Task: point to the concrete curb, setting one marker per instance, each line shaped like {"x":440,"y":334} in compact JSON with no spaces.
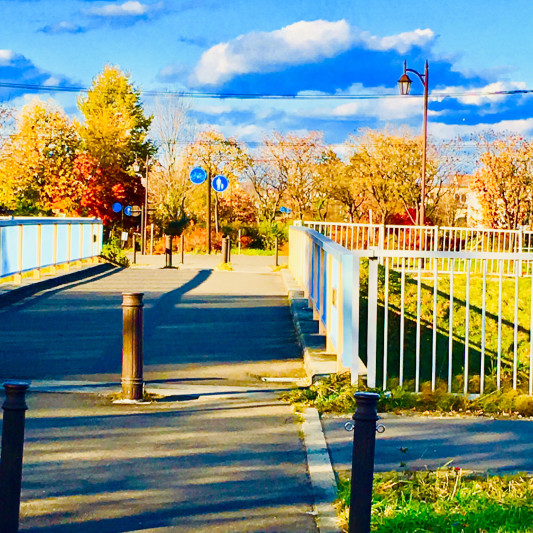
{"x":321,"y":472}
{"x":317,"y":364}
{"x":10,"y":294}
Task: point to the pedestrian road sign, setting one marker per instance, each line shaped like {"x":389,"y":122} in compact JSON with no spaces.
{"x":220,"y":183}
{"x":198,"y":175}
{"x":127,"y":210}
{"x":117,"y":207}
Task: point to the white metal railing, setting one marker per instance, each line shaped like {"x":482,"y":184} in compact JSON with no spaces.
{"x":431,"y":238}
{"x":415,"y":320}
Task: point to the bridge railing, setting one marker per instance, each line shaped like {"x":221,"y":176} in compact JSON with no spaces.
{"x":425,"y":323}
{"x":359,"y":236}
{"x":32,"y":243}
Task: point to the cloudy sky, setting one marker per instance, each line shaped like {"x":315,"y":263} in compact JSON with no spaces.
{"x":336,"y":62}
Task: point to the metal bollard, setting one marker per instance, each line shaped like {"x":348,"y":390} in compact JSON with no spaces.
{"x":228,"y":250}
{"x":134,"y":248}
{"x":224,"y":249}
{"x":182,"y":248}
{"x":168,"y":251}
{"x":132,"y":346}
{"x":364,"y":442}
{"x":276,"y":247}
{"x":11,"y":461}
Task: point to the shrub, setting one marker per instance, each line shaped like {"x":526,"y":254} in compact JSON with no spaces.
{"x":113,"y":253}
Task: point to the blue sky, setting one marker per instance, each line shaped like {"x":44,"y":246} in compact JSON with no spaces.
{"x":353,"y":50}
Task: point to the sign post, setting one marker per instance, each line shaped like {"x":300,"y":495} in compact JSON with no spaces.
{"x":219,"y":184}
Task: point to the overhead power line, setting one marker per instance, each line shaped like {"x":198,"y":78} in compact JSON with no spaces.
{"x":270,"y":96}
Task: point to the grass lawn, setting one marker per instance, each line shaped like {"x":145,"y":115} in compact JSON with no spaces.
{"x":459,"y":321}
{"x":446,"y":500}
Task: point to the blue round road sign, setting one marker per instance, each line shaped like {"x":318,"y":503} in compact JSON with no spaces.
{"x":127,"y":210}
{"x":117,"y":207}
{"x":220,"y":183}
{"x":198,"y":175}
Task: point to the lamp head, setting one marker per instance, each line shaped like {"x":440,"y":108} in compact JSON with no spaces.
{"x":405,"y":84}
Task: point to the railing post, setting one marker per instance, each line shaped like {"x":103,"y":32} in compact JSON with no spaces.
{"x":132,"y":346}
{"x":364,"y":442}
{"x":372,"y":321}
{"x":12,"y":449}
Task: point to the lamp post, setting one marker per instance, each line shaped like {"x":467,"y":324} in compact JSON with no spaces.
{"x":405,"y":86}
{"x":144,"y":181}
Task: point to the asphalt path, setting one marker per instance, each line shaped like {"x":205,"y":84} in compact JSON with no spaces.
{"x":198,"y":322}
{"x":479,"y":444}
{"x":222,"y":454}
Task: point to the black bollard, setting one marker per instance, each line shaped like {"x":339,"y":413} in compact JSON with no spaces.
{"x":11,"y":461}
{"x":364,"y":442}
{"x":132,"y":346}
{"x":276,"y":251}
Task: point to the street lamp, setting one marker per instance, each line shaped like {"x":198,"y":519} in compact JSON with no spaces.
{"x":144,"y":182}
{"x":405,"y":86}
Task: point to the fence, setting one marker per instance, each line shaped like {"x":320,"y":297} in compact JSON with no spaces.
{"x":422,"y":323}
{"x":431,"y":238}
{"x":32,"y":243}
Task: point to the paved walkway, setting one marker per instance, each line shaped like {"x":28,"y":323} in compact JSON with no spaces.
{"x":219,"y":452}
{"x":473,"y":443}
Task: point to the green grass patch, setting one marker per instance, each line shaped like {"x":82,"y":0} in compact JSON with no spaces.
{"x":446,"y":500}
{"x":251,"y":251}
{"x":463,"y":306}
{"x":336,"y":395}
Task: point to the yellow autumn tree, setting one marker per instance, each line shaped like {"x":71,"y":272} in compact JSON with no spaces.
{"x":216,"y":154}
{"x":293,"y":161}
{"x":36,"y":162}
{"x":390,"y":169}
{"x":504,"y":181}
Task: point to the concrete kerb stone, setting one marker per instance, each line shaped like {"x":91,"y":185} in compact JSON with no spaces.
{"x":317,"y":364}
{"x":321,"y":472}
{"x":10,"y":293}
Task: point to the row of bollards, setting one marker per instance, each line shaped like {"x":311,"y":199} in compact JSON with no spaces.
{"x":11,"y":456}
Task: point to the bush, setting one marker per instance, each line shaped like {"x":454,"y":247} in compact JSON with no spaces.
{"x":113,"y":253}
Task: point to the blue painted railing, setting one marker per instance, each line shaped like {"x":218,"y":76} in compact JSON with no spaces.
{"x":31,"y":243}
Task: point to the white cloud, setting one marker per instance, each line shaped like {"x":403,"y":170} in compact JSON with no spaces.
{"x":299,"y":43}
{"x":6,"y":56}
{"x":402,"y":42}
{"x":481,"y":95}
{"x":131,"y":8}
{"x":449,"y":131}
